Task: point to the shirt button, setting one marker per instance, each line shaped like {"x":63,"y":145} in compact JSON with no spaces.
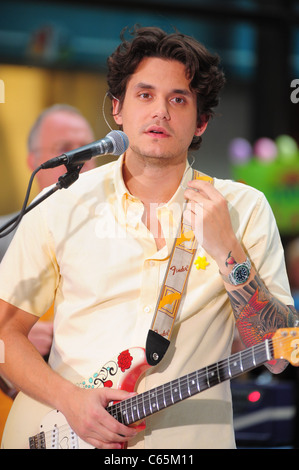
{"x":147,"y":309}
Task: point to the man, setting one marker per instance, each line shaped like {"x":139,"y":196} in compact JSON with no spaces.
{"x":56,"y":130}
{"x":101,"y":249}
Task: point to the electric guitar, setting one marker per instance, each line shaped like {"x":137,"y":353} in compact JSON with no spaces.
{"x":36,"y":426}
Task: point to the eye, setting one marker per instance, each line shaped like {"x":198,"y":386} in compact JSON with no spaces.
{"x":178,"y":100}
{"x":144,"y":95}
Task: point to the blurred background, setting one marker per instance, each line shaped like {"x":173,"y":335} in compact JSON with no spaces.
{"x":55,"y":52}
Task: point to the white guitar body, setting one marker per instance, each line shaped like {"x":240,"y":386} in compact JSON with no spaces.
{"x":31,"y":418}
{"x":48,"y":428}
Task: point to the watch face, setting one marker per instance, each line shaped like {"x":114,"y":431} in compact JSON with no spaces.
{"x":241,"y":274}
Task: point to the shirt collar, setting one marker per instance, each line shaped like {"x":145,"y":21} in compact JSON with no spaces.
{"x":130,"y":208}
{"x":123,"y":193}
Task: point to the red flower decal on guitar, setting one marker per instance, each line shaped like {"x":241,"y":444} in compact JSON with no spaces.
{"x":124,"y":360}
{"x":108,"y":383}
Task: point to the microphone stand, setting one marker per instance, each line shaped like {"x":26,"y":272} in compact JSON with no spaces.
{"x":64,"y":182}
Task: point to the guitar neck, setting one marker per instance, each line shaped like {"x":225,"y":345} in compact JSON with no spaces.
{"x":136,"y":408}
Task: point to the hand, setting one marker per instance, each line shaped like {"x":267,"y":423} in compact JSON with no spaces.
{"x":207,"y":212}
{"x":41,"y":336}
{"x":86,"y":414}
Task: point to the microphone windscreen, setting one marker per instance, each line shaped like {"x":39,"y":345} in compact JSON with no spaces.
{"x":120,"y":142}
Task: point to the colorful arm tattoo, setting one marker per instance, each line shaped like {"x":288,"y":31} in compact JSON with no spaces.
{"x":258,"y":314}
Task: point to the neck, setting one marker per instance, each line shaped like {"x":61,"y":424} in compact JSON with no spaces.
{"x":153,"y":181}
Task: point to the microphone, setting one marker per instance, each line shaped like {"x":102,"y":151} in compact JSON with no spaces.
{"x":115,"y":143}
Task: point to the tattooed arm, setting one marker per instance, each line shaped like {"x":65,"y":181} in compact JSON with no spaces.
{"x":257,"y":312}
{"x":258,"y":315}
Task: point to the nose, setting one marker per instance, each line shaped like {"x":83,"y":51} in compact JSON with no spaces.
{"x":160,"y":110}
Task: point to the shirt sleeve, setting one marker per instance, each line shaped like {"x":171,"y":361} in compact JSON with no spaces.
{"x":263,"y":244}
{"x":28,"y":272}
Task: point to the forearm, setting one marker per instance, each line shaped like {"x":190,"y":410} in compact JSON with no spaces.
{"x":258,"y":314}
{"x":25,"y":368}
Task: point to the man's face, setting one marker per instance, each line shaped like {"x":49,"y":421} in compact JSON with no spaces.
{"x":159,"y":112}
{"x":60,"y":132}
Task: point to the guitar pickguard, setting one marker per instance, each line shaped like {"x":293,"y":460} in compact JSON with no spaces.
{"x":121,"y":372}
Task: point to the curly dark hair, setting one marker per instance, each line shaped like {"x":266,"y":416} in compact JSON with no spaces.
{"x":202,"y":67}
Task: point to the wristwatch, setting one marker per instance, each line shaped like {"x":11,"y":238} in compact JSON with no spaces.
{"x":239,"y":274}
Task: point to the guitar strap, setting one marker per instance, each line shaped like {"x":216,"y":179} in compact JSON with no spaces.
{"x":175,"y":280}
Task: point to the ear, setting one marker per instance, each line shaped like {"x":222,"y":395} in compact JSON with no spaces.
{"x":116,"y":110}
{"x":31,"y":161}
{"x":201,"y":127}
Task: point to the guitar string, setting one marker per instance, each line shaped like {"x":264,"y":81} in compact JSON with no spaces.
{"x":208,"y":373}
{"x":183,"y":381}
{"x":140,"y":398}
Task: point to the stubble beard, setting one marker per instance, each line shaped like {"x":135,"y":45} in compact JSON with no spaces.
{"x":158,"y":158}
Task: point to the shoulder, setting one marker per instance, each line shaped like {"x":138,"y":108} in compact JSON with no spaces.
{"x":249,"y":208}
{"x":242,"y":196}
{"x":94,"y":178}
{"x":234,"y":189}
{"x":90,"y":184}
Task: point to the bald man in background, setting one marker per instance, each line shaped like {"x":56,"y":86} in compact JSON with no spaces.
{"x":57,"y":130}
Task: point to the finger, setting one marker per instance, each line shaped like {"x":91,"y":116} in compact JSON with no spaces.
{"x":140,"y":426}
{"x":110,"y":422}
{"x":195,"y":196}
{"x":102,"y":428}
{"x":120,"y":433}
{"x":113,"y":394}
{"x":98,"y":444}
{"x":188,"y":217}
{"x":196,"y":222}
{"x":192,"y":210}
{"x":205,"y":188}
{"x":108,"y":432}
{"x":193,"y":206}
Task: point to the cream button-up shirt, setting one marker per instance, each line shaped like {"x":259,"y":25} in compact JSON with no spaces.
{"x":86,"y":249}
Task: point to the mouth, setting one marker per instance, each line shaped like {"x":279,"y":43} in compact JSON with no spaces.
{"x":157,"y":132}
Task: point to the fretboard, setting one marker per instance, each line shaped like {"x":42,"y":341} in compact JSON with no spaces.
{"x":147,"y":403}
